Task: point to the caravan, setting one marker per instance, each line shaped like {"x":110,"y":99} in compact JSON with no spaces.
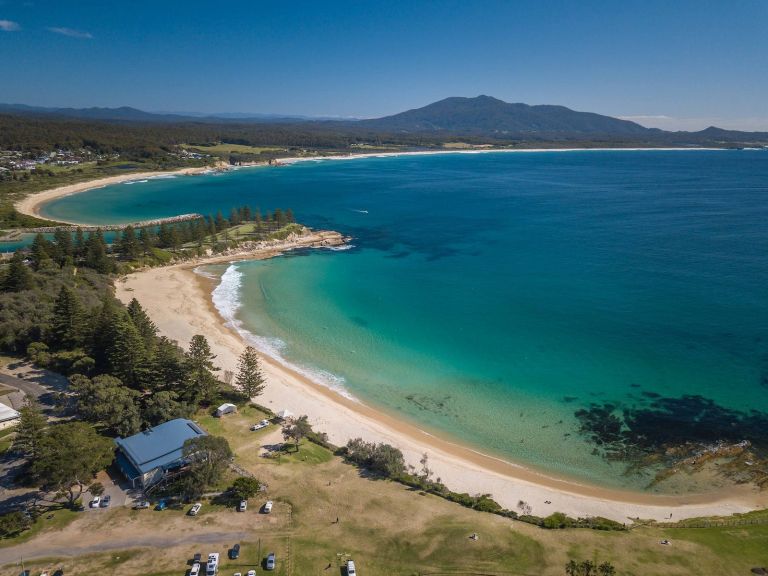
{"x":212,"y":568}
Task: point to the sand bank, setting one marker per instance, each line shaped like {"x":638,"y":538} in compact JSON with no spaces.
{"x":179,"y":302}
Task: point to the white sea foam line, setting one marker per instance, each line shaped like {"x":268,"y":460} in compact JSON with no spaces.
{"x":226,"y":299}
{"x":501,"y":151}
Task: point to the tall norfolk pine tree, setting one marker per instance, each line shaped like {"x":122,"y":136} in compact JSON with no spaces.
{"x":249,"y":377}
{"x":68,"y":326}
{"x":202,"y":384}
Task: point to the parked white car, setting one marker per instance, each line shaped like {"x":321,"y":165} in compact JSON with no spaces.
{"x":95,"y":502}
{"x":143,"y":505}
{"x":268,"y":507}
{"x":260,"y":425}
{"x":195,"y":569}
{"x":243,"y":506}
{"x":351,"y":568}
{"x":195,"y":509}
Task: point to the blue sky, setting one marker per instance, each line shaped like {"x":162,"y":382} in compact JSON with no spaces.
{"x":674,"y":64}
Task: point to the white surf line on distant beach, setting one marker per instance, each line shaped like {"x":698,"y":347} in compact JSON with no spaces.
{"x":295,"y":160}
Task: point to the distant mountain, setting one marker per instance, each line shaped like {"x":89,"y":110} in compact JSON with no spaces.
{"x":128,"y":114}
{"x":487,"y":115}
{"x":481,"y":118}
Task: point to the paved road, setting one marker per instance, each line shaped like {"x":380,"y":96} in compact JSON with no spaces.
{"x":38,"y":549}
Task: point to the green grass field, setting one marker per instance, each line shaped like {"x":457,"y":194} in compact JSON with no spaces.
{"x":327,"y":511}
{"x":223,"y":149}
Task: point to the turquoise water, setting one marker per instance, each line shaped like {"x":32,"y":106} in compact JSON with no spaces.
{"x":492,"y":296}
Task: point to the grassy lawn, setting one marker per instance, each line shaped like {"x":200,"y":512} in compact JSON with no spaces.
{"x":61,"y":518}
{"x":6,"y":439}
{"x":225,"y":149}
{"x":327,"y":512}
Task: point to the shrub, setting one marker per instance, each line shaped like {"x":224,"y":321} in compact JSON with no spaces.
{"x":13,"y":523}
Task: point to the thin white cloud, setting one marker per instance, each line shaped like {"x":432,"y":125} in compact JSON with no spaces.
{"x":70,"y":32}
{"x":9,"y":26}
{"x":748,"y":124}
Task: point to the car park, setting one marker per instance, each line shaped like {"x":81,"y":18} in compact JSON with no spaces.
{"x":243,"y":506}
{"x":234,"y":552}
{"x":268,"y":507}
{"x":270,"y":561}
{"x":195,"y":509}
{"x":106,"y":501}
{"x":96,"y":502}
{"x":260,"y":425}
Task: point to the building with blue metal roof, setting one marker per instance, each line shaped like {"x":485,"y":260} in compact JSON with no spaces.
{"x":148,"y":457}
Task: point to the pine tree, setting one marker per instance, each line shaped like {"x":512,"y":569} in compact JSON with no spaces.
{"x":41,"y":251}
{"x":104,"y":330}
{"x":289,"y":216}
{"x":279,"y":218}
{"x":96,"y":253}
{"x":164,"y":236}
{"x":18,"y":277}
{"x":202,"y":383}
{"x":63,"y":240}
{"x":145,"y":326}
{"x":249,"y":379}
{"x":129,"y":246}
{"x":79,"y":248}
{"x":126,"y":355}
{"x":30,"y":430}
{"x":68,"y":326}
{"x":169,"y":367}
{"x":145,"y":239}
{"x":246,"y":213}
{"x":220,"y":222}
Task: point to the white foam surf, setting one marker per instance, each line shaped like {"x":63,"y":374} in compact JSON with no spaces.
{"x":226,"y":299}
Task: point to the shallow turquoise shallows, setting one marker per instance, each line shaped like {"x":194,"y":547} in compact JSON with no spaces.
{"x":490,"y":296}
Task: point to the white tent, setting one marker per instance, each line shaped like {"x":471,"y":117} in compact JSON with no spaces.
{"x":283,"y":414}
{"x":226,"y":409}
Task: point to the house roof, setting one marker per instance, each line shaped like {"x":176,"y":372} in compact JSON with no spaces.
{"x":159,"y":446}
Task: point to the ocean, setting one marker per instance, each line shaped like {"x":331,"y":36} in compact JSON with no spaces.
{"x":492,"y":297}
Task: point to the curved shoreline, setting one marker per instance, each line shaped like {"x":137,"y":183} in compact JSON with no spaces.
{"x":179,"y":302}
{"x":32,"y":204}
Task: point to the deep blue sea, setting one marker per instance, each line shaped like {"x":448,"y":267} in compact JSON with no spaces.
{"x":491,"y":296}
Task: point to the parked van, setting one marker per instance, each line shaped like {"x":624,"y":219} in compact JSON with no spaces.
{"x":212,"y":568}
{"x":351,"y":568}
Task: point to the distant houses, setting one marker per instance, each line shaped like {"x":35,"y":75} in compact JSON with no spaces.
{"x":148,"y":457}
